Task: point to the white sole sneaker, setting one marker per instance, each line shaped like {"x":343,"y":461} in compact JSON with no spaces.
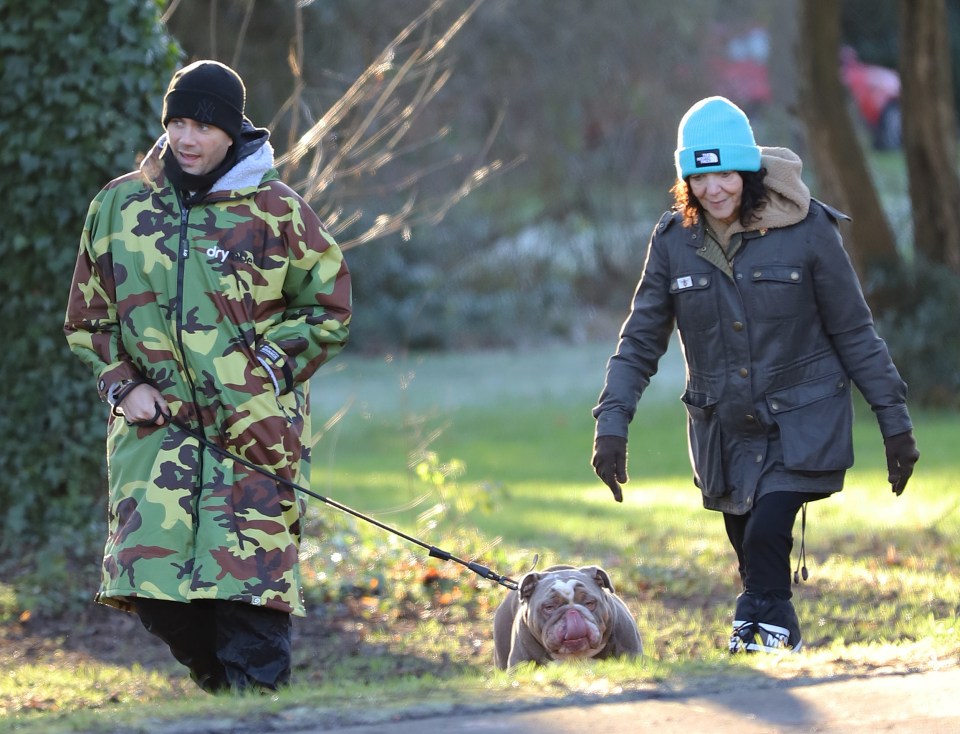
{"x":761,"y":637}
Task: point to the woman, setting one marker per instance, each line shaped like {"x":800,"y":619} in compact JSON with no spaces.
{"x":775,"y":329}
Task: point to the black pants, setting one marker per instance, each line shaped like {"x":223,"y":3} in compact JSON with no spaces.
{"x":763,"y":540}
{"x":226,"y":645}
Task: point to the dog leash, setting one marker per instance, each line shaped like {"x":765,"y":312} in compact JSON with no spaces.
{"x":432,"y":550}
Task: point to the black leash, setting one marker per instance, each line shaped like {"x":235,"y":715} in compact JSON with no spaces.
{"x":433,"y":551}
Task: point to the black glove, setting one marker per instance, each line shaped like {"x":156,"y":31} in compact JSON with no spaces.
{"x":610,"y":462}
{"x":902,"y":454}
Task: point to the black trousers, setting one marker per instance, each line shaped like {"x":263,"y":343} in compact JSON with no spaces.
{"x":226,"y":645}
{"x":763,"y":540}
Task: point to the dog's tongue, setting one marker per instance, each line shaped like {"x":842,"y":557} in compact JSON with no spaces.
{"x":575,"y":627}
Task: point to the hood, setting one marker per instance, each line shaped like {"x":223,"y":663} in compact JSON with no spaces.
{"x":254,"y":160}
{"x":788,"y":198}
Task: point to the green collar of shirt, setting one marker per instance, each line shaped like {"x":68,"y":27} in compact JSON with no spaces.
{"x":714,"y":253}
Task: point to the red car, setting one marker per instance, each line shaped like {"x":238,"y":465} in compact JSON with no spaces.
{"x":876,"y":92}
{"x":741,"y":74}
{"x":741,"y":69}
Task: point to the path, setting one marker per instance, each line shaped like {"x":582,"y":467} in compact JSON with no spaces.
{"x":907,"y":704}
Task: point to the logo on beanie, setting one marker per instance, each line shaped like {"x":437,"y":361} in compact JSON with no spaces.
{"x":706,"y":158}
{"x":205,"y":109}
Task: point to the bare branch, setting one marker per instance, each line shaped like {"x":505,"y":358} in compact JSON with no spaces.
{"x":452,"y":31}
{"x":168,"y":13}
{"x":332,"y":421}
{"x":380,"y":65}
{"x":214,"y":10}
{"x":243,"y":33}
{"x":360,"y":150}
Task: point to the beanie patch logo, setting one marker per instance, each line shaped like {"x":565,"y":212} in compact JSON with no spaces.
{"x":205,"y":109}
{"x":706,"y":158}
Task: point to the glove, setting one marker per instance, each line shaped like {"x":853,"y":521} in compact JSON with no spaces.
{"x":902,"y":454}
{"x":610,"y":462}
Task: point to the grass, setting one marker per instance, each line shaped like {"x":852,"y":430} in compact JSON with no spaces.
{"x":503,"y":439}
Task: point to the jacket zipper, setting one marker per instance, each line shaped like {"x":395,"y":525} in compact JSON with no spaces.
{"x":184,"y":254}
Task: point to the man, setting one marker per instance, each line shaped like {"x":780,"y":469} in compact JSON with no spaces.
{"x":205,"y":296}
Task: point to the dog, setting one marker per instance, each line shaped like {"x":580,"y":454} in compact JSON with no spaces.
{"x":563,"y":613}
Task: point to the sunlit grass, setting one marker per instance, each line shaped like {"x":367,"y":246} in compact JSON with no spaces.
{"x":883,"y":592}
{"x":61,"y":687}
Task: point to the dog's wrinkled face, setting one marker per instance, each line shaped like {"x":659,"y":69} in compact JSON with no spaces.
{"x":568,"y":610}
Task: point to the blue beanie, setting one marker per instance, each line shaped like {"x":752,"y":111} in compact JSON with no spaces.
{"x":715,"y":135}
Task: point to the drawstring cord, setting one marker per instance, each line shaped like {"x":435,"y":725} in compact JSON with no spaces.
{"x":801,"y":571}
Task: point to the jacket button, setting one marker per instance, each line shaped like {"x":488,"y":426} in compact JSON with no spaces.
{"x":737,"y":326}
{"x":744,"y":372}
{"x":759,"y":458}
{"x":749,"y":418}
{"x":774,"y":405}
{"x":703,"y":281}
{"x":757,"y":273}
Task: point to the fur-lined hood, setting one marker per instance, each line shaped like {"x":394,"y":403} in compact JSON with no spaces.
{"x":255,"y":160}
{"x":788,"y":198}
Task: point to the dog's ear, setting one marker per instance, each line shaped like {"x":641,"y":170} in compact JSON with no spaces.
{"x":600,"y":576}
{"x":527,"y":584}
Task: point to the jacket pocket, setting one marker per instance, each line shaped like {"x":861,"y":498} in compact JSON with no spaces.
{"x":705,"y":442}
{"x":695,"y":302}
{"x":776,"y":291}
{"x":816,"y":423}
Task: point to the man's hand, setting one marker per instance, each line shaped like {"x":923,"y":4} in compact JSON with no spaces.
{"x":902,"y":454}
{"x":610,"y":462}
{"x":141,"y":406}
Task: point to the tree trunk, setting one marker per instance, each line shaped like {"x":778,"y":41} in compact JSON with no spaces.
{"x":782,"y":114}
{"x":838,"y":160}
{"x":929,"y":130}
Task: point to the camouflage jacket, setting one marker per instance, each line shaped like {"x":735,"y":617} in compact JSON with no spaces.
{"x":227,"y":307}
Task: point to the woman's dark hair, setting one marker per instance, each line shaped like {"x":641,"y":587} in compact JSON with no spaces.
{"x":752,"y":201}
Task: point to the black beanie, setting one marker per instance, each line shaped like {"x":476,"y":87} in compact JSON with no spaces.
{"x":209,"y":92}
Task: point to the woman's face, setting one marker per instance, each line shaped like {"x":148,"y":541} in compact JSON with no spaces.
{"x":719,"y":194}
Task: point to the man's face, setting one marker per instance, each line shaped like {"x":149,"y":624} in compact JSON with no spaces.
{"x":198,"y":147}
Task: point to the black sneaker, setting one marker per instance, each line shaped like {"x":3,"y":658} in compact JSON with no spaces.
{"x":765,"y":625}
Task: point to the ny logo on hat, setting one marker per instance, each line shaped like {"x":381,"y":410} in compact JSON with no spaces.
{"x":705,"y":158}
{"x":204,"y":111}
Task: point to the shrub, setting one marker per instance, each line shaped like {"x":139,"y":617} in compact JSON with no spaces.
{"x":914,"y":306}
{"x":82,"y":88}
